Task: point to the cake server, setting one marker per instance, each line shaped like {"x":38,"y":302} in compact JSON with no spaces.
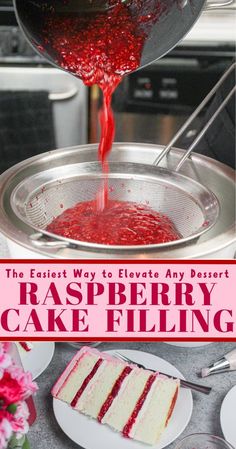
{"x":183,"y":383}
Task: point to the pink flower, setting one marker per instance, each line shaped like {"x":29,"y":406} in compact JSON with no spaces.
{"x":5,"y":360}
{"x":28,"y":387}
{"x":15,"y":387}
{"x":10,"y":389}
{"x":6,"y":430}
{"x":20,"y":423}
{"x":13,"y":423}
{"x":6,"y":346}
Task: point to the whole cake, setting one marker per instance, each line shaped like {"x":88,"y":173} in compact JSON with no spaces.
{"x":134,"y":401}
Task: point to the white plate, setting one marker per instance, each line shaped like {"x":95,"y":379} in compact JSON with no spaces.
{"x":227,"y":416}
{"x":89,"y":434}
{"x":38,"y":359}
{"x":188,"y":344}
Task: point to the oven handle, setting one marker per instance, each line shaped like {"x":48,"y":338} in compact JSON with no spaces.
{"x":63,"y":96}
{"x":210,"y":5}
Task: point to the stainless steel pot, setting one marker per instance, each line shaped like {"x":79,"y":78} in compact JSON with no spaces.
{"x":174,"y":24}
{"x":217,"y":243}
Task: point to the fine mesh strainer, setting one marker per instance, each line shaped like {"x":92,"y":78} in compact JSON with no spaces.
{"x":41,"y":197}
{"x":45,"y":192}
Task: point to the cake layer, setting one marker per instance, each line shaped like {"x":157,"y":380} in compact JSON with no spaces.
{"x":125,"y":403}
{"x":134,"y":401}
{"x":98,"y":391}
{"x":154,"y":416}
{"x":74,"y":376}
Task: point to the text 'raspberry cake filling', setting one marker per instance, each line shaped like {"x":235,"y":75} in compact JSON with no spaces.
{"x":133,"y":401}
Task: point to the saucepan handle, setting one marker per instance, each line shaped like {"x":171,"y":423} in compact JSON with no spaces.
{"x":216,"y":5}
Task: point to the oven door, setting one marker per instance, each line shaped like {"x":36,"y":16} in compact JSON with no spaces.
{"x":153,"y":103}
{"x":68,"y":94}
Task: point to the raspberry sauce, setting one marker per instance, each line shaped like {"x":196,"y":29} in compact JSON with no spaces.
{"x":172,"y":406}
{"x":120,"y":223}
{"x":100,"y":46}
{"x":25,"y":346}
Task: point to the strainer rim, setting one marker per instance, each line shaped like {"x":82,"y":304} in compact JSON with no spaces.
{"x":134,"y":248}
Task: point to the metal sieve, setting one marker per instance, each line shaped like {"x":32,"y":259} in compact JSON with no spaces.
{"x":217,"y":242}
{"x":43,"y":196}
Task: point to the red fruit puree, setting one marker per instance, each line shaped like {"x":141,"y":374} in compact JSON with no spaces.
{"x":100,"y":48}
{"x":120,"y":223}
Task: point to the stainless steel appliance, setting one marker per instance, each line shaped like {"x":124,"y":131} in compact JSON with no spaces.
{"x":151,"y":104}
{"x":22,"y":69}
{"x":69,"y":97}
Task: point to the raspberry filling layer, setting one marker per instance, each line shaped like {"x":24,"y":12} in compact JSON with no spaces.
{"x":127,"y":429}
{"x":172,"y":406}
{"x":120,"y":223}
{"x":114,"y":392}
{"x":85,"y":383}
{"x":25,"y":346}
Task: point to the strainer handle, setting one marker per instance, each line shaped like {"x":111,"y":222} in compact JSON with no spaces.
{"x":192,"y":117}
{"x":205,"y":129}
{"x":40,"y":240}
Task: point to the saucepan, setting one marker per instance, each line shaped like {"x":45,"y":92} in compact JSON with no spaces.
{"x":175,"y":21}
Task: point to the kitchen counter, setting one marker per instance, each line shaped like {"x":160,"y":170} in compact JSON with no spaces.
{"x":46,"y":433}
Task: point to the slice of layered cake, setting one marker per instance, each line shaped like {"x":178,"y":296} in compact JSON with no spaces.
{"x":136,"y":402}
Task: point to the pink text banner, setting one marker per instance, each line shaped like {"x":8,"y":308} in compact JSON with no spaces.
{"x":87,"y":300}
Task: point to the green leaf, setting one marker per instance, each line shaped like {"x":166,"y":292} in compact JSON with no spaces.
{"x":26,"y":444}
{"x":23,"y":443}
{"x":12,"y":408}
